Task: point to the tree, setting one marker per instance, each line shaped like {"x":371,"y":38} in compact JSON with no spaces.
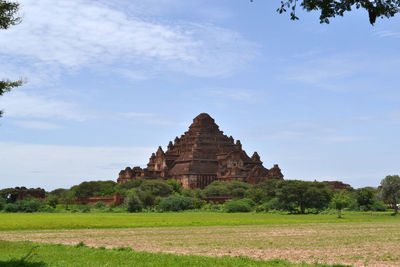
{"x":390,"y":190}
{"x":264,"y":191}
{"x":294,"y":194}
{"x":8,"y":17}
{"x":340,"y":201}
{"x":156,"y":187}
{"x":133,"y":203}
{"x":68,"y":198}
{"x":95,"y":188}
{"x":331,"y":8}
{"x":365,"y":198}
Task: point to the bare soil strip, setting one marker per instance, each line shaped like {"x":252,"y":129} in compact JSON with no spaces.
{"x":360,"y":244}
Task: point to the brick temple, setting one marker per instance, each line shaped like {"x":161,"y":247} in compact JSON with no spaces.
{"x":202,"y":155}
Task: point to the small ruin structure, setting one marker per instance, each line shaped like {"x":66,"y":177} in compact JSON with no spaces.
{"x":201,"y":155}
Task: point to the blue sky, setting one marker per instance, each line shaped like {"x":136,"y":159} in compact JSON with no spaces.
{"x":109,"y":81}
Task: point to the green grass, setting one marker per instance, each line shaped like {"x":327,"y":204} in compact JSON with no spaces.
{"x":16,"y":254}
{"x":26,"y":221}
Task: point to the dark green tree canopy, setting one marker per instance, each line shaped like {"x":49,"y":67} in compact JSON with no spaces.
{"x":8,"y":14}
{"x":8,"y":17}
{"x":390,"y":190}
{"x":331,"y":8}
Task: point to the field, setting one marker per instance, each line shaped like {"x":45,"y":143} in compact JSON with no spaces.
{"x":358,"y":239}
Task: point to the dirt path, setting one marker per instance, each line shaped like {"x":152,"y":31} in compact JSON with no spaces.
{"x":360,"y":244}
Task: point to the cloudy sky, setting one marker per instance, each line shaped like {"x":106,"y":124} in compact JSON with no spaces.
{"x":109,"y":81}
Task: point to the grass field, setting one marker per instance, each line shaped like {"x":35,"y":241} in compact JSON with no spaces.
{"x":61,"y":255}
{"x":20,"y":221}
{"x":359,"y":239}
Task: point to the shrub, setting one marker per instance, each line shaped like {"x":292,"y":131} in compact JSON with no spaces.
{"x":262,"y":208}
{"x":264,"y":191}
{"x":80,"y":245}
{"x":198,"y":203}
{"x":188,"y":192}
{"x":100,"y":205}
{"x":175,"y":203}
{"x":2,"y":203}
{"x":52,"y":201}
{"x":133,"y":203}
{"x":156,"y":187}
{"x":147,"y":198}
{"x":196,"y":193}
{"x":30,"y":205}
{"x":85,"y":208}
{"x":176,"y":186}
{"x":216,"y":189}
{"x":238,"y":205}
{"x":238,"y":192}
{"x":378,"y":205}
{"x":274,"y":204}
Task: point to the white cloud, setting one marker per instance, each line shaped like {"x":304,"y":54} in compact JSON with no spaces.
{"x":231,"y":93}
{"x":73,"y":34}
{"x":18,"y":104}
{"x":63,"y":166}
{"x":40,"y":125}
{"x":387,"y":34}
{"x":342,"y":71}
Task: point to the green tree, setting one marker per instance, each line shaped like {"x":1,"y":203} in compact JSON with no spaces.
{"x":175,"y":203}
{"x":304,"y":195}
{"x":94,"y":188}
{"x":176,"y":186}
{"x":68,"y":198}
{"x":331,"y":8}
{"x":390,"y":190}
{"x":156,"y":187}
{"x":8,"y":17}
{"x":365,"y":198}
{"x":133,"y":204}
{"x":263,"y":192}
{"x":339,"y":201}
{"x":52,"y":201}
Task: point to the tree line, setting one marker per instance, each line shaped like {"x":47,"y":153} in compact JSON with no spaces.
{"x":293,"y":196}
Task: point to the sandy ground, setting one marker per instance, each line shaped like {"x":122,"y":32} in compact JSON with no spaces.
{"x":359,"y":244}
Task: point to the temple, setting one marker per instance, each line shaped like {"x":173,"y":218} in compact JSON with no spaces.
{"x":202,"y":155}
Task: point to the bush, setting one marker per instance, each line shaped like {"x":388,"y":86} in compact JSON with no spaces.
{"x":198,"y":203}
{"x":264,"y":191}
{"x":175,"y":203}
{"x":238,"y":192}
{"x":156,"y":187}
{"x":31,"y":205}
{"x":238,"y":205}
{"x":147,"y":198}
{"x":2,"y":203}
{"x":100,"y":205}
{"x":85,"y":208}
{"x":378,"y":205}
{"x":196,"y":193}
{"x":52,"y":201}
{"x":274,"y":204}
{"x":133,"y":203}
{"x":216,"y":189}
{"x":176,"y":186}
{"x":188,"y":192}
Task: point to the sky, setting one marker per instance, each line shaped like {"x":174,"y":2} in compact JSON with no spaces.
{"x":107,"y":82}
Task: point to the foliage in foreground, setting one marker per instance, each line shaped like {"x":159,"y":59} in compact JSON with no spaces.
{"x":331,"y":8}
{"x":62,"y":255}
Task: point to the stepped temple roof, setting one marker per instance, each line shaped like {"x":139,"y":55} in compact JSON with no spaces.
{"x":201,"y":155}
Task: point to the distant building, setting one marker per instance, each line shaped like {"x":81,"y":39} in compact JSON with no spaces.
{"x":339,"y":185}
{"x":202,"y":155}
